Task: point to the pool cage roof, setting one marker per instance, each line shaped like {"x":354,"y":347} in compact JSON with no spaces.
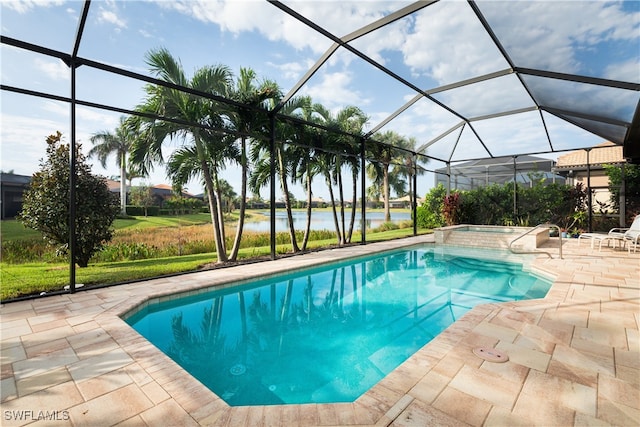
{"x":469,"y":80}
{"x":499,"y":170}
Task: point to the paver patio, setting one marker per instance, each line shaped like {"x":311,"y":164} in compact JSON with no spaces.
{"x":574,"y":357}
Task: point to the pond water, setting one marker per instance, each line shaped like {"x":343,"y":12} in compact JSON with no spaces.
{"x":320,"y":220}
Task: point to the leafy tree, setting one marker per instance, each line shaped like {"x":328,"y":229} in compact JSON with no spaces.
{"x":142,"y":197}
{"x":632,"y":188}
{"x":46,"y":203}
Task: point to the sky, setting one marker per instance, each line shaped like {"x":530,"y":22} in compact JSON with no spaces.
{"x":440,"y":44}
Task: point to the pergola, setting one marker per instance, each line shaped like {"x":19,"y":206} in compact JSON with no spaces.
{"x":484,"y":116}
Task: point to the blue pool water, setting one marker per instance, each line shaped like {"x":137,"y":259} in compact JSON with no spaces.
{"x":328,"y":333}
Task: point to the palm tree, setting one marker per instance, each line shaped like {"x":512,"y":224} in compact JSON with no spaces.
{"x":342,"y":152}
{"x":386,"y":153}
{"x":287,"y":154}
{"x":246,"y":121}
{"x":191,"y":116}
{"x":119,"y":143}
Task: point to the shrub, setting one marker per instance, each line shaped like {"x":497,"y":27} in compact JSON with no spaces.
{"x":46,"y":204}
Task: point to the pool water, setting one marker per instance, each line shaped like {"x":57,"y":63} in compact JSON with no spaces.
{"x":325,"y":334}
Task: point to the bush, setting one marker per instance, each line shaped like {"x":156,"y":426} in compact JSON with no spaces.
{"x":140,"y":210}
{"x":46,"y":204}
{"x":429,"y":214}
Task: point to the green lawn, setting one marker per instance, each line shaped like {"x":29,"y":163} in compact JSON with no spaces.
{"x":29,"y":278}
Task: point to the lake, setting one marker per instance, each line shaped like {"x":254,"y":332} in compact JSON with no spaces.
{"x":320,"y":220}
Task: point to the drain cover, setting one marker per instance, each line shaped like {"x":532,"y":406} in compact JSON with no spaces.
{"x":490,"y":354}
{"x":238,"y":369}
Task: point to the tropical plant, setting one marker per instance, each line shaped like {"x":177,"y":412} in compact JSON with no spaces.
{"x":46,"y":205}
{"x":249,"y":121}
{"x":119,"y":143}
{"x":339,"y":152}
{"x":190,"y":117}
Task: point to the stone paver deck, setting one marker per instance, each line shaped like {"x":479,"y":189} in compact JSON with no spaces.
{"x":574,"y":358}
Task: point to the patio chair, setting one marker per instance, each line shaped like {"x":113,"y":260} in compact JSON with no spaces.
{"x":619,"y":236}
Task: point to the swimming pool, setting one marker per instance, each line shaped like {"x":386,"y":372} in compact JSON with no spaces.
{"x":328,"y":333}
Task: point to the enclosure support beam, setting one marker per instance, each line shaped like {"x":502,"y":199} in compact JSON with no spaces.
{"x":589,"y":201}
{"x":363,"y":189}
{"x":272,"y":188}
{"x":414,"y":204}
{"x":623,"y":197}
{"x":515,"y":188}
{"x":73,"y":65}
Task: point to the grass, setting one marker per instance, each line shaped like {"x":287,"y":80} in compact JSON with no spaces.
{"x":35,"y":277}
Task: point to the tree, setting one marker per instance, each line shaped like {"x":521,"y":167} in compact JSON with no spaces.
{"x":142,"y":197}
{"x":248,"y":122}
{"x":46,"y":203}
{"x":338,"y":153}
{"x":119,"y":143}
{"x":193,"y":119}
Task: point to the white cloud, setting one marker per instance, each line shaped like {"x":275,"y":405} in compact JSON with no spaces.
{"x":54,"y":69}
{"x":24,"y":6}
{"x":552,"y":35}
{"x":448,"y":44}
{"x":628,"y":71}
{"x":111,"y":17}
{"x":334,"y":91}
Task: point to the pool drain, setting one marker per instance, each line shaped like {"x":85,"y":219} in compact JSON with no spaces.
{"x":490,"y":354}
{"x":238,"y":369}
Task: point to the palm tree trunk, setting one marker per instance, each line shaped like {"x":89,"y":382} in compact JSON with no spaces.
{"x":333,"y":208}
{"x":354,"y":188}
{"x":214,"y":202}
{"x":213,"y":209}
{"x":307,"y":229}
{"x":385,"y":189}
{"x":341,"y":195}
{"x":243,"y":201}
{"x":287,"y":201}
{"x":123,"y":184}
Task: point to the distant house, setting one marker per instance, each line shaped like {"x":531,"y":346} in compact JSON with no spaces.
{"x":575,"y":166}
{"x":12,"y":187}
{"x":403,"y":202}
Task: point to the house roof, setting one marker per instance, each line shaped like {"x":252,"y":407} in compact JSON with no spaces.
{"x":604,"y":153}
{"x":13,"y":179}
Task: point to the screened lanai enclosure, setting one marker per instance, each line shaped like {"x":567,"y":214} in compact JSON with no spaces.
{"x":288,"y":101}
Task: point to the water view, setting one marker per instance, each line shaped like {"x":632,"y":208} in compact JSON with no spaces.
{"x":320,"y":220}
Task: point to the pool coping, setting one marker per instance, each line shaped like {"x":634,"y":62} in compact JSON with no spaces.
{"x":440,"y":384}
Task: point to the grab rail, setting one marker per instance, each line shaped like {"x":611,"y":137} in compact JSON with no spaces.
{"x":537,"y":252}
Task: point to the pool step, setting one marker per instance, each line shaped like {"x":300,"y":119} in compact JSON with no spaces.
{"x":486,"y":265}
{"x":480,"y":239}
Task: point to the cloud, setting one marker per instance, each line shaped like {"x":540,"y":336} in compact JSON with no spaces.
{"x":24,"y":6}
{"x":110,"y":17}
{"x":55,"y":69}
{"x":628,"y":71}
{"x":334,"y":91}
{"x":555,"y":35}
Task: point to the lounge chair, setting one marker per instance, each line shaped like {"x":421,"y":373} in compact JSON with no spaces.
{"x":619,"y":236}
